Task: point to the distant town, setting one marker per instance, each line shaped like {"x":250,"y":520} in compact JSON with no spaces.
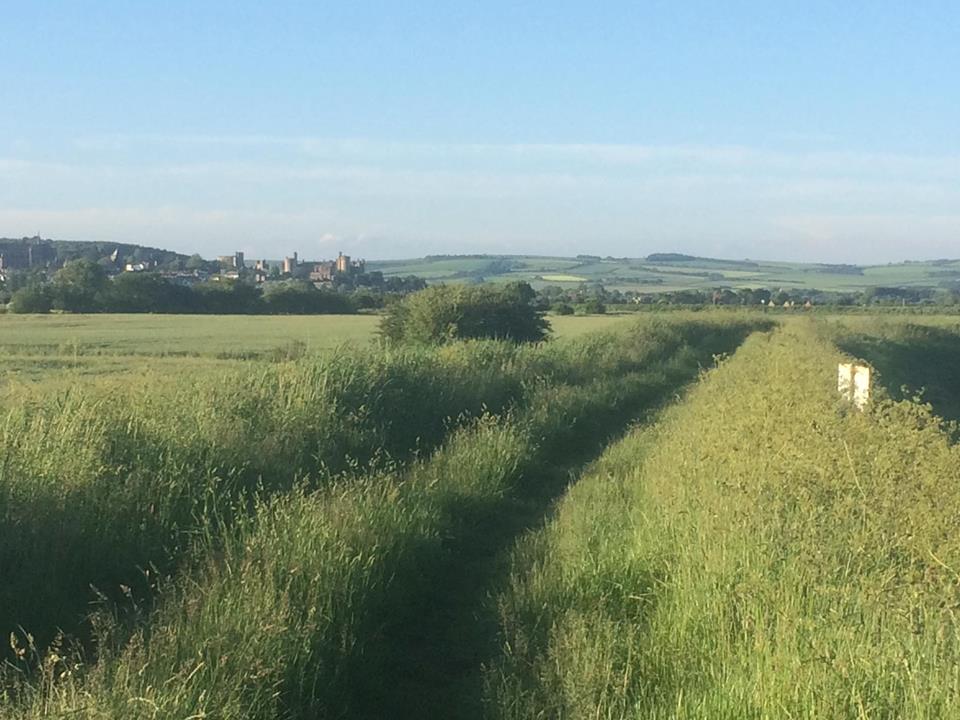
{"x":43,"y":275}
{"x":38,"y":254}
{"x":38,"y":275}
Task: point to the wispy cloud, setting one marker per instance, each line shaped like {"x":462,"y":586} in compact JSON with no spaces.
{"x":212,"y":192}
{"x":739,"y":156}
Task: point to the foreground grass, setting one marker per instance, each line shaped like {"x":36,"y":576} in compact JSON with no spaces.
{"x":165,"y":479}
{"x":95,"y":492}
{"x":763,"y":552}
{"x":916,"y":357}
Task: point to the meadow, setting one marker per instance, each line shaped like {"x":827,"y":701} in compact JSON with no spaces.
{"x":662,"y":516}
{"x":63,"y":349}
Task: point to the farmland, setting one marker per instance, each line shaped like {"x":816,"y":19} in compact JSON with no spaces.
{"x":69,"y":348}
{"x":664,"y":516}
{"x":673,"y":272}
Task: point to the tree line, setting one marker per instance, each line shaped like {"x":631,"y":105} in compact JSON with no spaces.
{"x":593,"y":297}
{"x":84,"y":286}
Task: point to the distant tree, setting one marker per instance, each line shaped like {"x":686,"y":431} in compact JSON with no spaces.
{"x":32,"y":299}
{"x":563,"y":309}
{"x":77,"y":287}
{"x":780,"y":297}
{"x":404,"y":285}
{"x":145,"y":293}
{"x":295,"y":297}
{"x":445,"y":313}
{"x":174,"y":264}
{"x":228,"y":297}
{"x":593,"y":306}
{"x":749,"y":296}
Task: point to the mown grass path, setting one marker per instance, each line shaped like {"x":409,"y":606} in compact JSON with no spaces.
{"x":432,"y":651}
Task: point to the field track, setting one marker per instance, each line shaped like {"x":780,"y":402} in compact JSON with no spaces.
{"x":486,"y":531}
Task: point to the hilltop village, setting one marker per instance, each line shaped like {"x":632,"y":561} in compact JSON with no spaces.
{"x":46,"y":256}
{"x":38,"y":275}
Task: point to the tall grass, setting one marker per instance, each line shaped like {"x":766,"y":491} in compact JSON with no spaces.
{"x":913,"y":358}
{"x":763,"y":552}
{"x":97,"y":487}
{"x":281,"y":611}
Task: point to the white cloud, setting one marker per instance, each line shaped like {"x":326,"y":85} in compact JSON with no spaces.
{"x":269,"y":195}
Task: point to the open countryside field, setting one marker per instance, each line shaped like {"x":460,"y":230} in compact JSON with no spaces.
{"x":68,"y":348}
{"x":669,"y":516}
{"x":646,"y":275}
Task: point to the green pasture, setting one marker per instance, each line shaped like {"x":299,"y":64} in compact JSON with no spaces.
{"x":67,"y":349}
{"x":195,"y":335}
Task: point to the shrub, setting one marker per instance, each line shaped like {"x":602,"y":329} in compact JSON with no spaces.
{"x":593,"y":306}
{"x":31,"y":299}
{"x":446,"y":313}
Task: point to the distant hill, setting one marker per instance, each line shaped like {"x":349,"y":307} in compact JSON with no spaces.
{"x":671,"y":257}
{"x":667,"y":272}
{"x":37,"y":252}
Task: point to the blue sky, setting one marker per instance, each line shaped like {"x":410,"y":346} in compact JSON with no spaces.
{"x":816,"y":131}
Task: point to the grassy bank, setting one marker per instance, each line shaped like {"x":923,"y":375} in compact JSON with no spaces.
{"x":763,"y":552}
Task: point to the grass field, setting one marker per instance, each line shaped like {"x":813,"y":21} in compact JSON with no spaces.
{"x":82,"y":348}
{"x":196,"y":335}
{"x":655,"y":516}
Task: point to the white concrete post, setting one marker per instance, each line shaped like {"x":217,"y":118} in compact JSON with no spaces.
{"x":853,"y":383}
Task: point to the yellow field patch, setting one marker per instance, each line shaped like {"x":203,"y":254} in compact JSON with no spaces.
{"x":563,"y":278}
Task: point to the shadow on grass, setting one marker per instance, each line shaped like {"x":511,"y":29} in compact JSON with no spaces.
{"x":430,"y":647}
{"x":914,"y":358}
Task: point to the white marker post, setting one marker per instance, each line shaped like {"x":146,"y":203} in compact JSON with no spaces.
{"x":853,"y":383}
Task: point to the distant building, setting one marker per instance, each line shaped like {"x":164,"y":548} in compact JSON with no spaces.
{"x":261,"y":270}
{"x":345,"y":266}
{"x":290,"y":264}
{"x":323,"y":272}
{"x":235,"y":261}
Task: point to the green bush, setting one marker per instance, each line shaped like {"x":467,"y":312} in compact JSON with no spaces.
{"x":445,"y":313}
{"x":32,"y":299}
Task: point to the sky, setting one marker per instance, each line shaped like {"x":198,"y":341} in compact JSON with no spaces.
{"x":809,"y":131}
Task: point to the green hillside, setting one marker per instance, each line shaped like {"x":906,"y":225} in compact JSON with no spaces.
{"x":664,"y":272}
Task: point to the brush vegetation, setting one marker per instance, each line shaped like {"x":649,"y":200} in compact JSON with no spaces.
{"x":244,"y":543}
{"x":762,"y":551}
{"x":677,"y":518}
